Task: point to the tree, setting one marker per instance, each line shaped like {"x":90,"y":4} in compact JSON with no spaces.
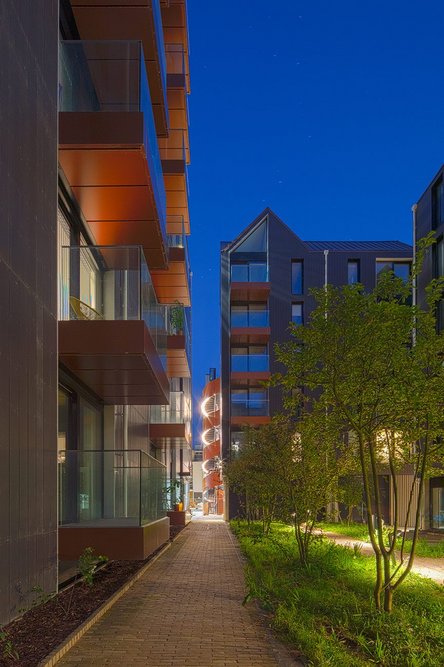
{"x":373,"y":362}
{"x":277,"y":471}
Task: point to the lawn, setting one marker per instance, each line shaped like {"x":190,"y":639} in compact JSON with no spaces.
{"x":359,"y":531}
{"x":327,"y":611}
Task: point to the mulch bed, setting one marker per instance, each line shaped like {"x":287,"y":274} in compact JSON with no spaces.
{"x":43,"y":627}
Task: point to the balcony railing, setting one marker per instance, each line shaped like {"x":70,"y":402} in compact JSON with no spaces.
{"x":175,"y":65}
{"x":107,"y":488}
{"x":110,"y":283}
{"x":110,"y":76}
{"x":178,"y":319}
{"x":249,"y":407}
{"x":180,"y":240}
{"x":248,"y":363}
{"x":249,"y":318}
{"x":178,"y":412}
{"x":253,"y":272}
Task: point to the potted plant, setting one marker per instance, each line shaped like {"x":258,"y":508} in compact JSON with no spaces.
{"x":177,"y":318}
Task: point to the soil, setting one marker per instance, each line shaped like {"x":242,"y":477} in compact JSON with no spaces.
{"x":43,"y":627}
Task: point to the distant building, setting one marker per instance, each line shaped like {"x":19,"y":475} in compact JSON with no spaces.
{"x":429,"y":217}
{"x":266,"y":276}
{"x":213,"y":489}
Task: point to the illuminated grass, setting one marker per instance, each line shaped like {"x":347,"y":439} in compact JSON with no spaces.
{"x":327,"y":611}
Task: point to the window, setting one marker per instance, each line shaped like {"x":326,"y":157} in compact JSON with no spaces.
{"x":249,"y":315}
{"x":254,"y":272}
{"x":439,"y":272}
{"x":297,"y":313}
{"x":353,"y":271}
{"x":249,"y":358}
{"x":438,"y":204}
{"x":297,"y":277}
{"x":439,"y":258}
{"x":400,"y":269}
{"x":249,"y":402}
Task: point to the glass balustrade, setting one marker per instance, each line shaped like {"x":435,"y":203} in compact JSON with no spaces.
{"x":249,"y":318}
{"x":252,"y":407}
{"x":178,"y":318}
{"x":110,"y":76}
{"x":110,"y":283}
{"x":253,"y":272}
{"x":249,"y":363}
{"x":110,"y":488}
{"x":180,"y":240}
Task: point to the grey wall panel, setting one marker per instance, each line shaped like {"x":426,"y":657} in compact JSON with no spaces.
{"x":28,"y":295}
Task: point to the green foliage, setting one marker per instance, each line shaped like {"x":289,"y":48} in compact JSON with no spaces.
{"x":177,"y":318}
{"x":88,"y":563}
{"x":327,"y":609}
{"x":372,"y":364}
{"x":359,"y":531}
{"x":7,"y":647}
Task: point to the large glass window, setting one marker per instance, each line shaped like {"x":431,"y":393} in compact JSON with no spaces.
{"x":400,"y":269}
{"x":353,"y":271}
{"x":249,"y":358}
{"x":249,"y":272}
{"x":252,"y":401}
{"x":249,"y":315}
{"x":297,"y":277}
{"x":438,"y":204}
{"x":437,"y":502}
{"x":297,"y":313}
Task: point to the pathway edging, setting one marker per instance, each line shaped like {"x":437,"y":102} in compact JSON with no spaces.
{"x":72,"y":639}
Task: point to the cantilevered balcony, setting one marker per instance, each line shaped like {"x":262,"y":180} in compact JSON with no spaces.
{"x":171,"y":424}
{"x":131,"y":20}
{"x":249,"y":411}
{"x":113,"y":501}
{"x":108,"y":145}
{"x":249,"y":282}
{"x":249,"y":324}
{"x":174,"y":283}
{"x":179,"y":341}
{"x":112,"y":330}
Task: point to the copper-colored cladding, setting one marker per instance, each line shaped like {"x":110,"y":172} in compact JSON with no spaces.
{"x":211,"y":451}
{"x":177,"y":198}
{"x":177,"y":358}
{"x":103,"y":157}
{"x":174,"y":435}
{"x":127,"y":20}
{"x":212,"y":479}
{"x":245,"y":335}
{"x":250,"y":421}
{"x":244,"y":291}
{"x":174,"y":21}
{"x":118,"y":543}
{"x":249,"y":378}
{"x":116,"y":359}
{"x":172,"y":284}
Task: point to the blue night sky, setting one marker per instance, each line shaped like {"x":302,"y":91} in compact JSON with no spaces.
{"x":330,"y":112}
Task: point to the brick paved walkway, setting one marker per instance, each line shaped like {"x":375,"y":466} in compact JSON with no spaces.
{"x":185,"y":611}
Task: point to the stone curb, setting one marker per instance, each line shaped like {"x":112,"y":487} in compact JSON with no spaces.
{"x":72,"y":639}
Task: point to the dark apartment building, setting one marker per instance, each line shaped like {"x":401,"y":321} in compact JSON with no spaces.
{"x":95,"y":282}
{"x":429,"y":217}
{"x":266,"y":275}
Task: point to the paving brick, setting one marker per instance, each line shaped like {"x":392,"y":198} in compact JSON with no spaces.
{"x":186,"y":611}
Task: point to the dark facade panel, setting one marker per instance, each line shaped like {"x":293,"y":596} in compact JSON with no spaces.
{"x":28,"y":301}
{"x":285,"y":247}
